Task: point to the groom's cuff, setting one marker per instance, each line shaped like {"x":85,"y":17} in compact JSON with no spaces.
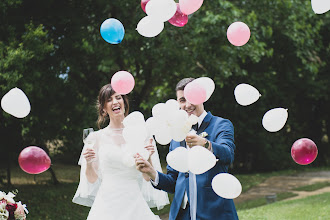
{"x":155,"y":183}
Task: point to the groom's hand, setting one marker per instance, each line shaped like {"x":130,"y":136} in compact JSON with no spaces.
{"x":195,"y":140}
{"x":144,"y":166}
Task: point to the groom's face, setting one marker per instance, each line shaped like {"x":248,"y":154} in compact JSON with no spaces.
{"x":187,"y":106}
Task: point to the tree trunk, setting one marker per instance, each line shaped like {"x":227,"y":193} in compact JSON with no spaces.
{"x":55,"y":180}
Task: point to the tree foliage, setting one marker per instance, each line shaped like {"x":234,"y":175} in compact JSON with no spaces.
{"x":53,"y":51}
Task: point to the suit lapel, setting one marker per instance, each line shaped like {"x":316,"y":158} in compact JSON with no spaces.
{"x":205,"y":123}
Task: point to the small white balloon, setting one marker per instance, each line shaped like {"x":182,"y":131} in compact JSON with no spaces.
{"x":159,"y":110}
{"x":135,"y":134}
{"x":200,"y":160}
{"x":208,"y":84}
{"x":16,"y":103}
{"x":193,"y":119}
{"x":161,"y":10}
{"x":246,"y":94}
{"x":172,"y":105}
{"x":179,"y":133}
{"x":320,"y":6}
{"x":163,"y":135}
{"x":178,"y":118}
{"x":275,"y":119}
{"x":178,"y":159}
{"x":226,"y":185}
{"x":151,"y":125}
{"x":134,"y":118}
{"x":149,"y":27}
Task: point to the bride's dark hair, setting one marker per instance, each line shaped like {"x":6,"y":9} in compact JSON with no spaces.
{"x":105,"y":93}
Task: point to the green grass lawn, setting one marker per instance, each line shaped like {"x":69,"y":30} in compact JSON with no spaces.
{"x":310,"y":208}
{"x":46,"y":201}
{"x":313,"y":187}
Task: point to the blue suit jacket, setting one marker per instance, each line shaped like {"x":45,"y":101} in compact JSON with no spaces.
{"x":210,"y":206}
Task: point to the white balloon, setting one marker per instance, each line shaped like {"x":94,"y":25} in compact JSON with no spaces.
{"x":178,"y":159}
{"x":226,"y":185}
{"x":163,"y":135}
{"x":200,"y":160}
{"x":159,"y":110}
{"x":16,"y":103}
{"x":178,"y":118}
{"x":246,"y":94}
{"x":135,"y":134}
{"x":275,"y":119}
{"x":151,"y":125}
{"x":172,"y":105}
{"x":179,"y":133}
{"x":208,"y":84}
{"x":149,"y":27}
{"x":161,"y":10}
{"x":134,"y":118}
{"x":320,"y":6}
{"x":193,"y":119}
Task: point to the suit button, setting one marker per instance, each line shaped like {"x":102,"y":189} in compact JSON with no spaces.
{"x":186,"y":175}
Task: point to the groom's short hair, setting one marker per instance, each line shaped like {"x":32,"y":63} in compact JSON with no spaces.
{"x":182,"y":83}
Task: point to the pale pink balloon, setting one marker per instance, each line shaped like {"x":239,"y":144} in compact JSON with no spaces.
{"x":33,"y":160}
{"x":179,"y":19}
{"x":122,"y":82}
{"x":143,"y":5}
{"x":190,"y":6}
{"x":194,"y":93}
{"x":238,"y":33}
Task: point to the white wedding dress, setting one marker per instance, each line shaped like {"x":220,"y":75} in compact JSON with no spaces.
{"x":120,"y":192}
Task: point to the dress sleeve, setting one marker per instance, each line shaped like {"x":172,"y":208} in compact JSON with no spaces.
{"x":154,"y":197}
{"x":87,"y":191}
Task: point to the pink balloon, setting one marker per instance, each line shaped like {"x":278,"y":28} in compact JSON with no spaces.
{"x":304,"y":151}
{"x":143,"y":5}
{"x":190,"y":6}
{"x":238,"y":33}
{"x":194,"y":93}
{"x":122,"y":82}
{"x":33,"y":160}
{"x":179,"y":19}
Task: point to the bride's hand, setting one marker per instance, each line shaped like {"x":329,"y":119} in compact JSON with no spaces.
{"x":89,"y":155}
{"x":150,"y":148}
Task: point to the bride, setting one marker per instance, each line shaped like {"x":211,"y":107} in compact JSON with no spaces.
{"x":112,"y":189}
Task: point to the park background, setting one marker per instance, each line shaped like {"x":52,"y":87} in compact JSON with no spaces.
{"x":54,"y":52}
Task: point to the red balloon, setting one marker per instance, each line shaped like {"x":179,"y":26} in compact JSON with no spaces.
{"x":304,"y":151}
{"x":143,"y":5}
{"x":33,"y":160}
{"x":179,"y":19}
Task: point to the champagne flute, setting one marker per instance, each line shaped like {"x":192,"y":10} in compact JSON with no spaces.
{"x":89,"y":142}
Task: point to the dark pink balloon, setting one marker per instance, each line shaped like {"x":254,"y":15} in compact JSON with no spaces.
{"x":194,"y":93}
{"x":143,"y":5}
{"x":122,"y":82}
{"x":238,"y":33}
{"x":179,"y":19}
{"x":34,"y":160}
{"x":304,"y":151}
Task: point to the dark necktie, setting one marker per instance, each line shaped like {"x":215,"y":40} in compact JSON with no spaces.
{"x":195,"y":127}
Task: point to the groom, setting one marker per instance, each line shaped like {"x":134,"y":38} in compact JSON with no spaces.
{"x":206,"y":205}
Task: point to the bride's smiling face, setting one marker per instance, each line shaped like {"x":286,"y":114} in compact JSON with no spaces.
{"x":115,"y":106}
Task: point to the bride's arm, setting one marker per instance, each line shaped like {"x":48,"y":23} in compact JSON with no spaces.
{"x":91,"y":174}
